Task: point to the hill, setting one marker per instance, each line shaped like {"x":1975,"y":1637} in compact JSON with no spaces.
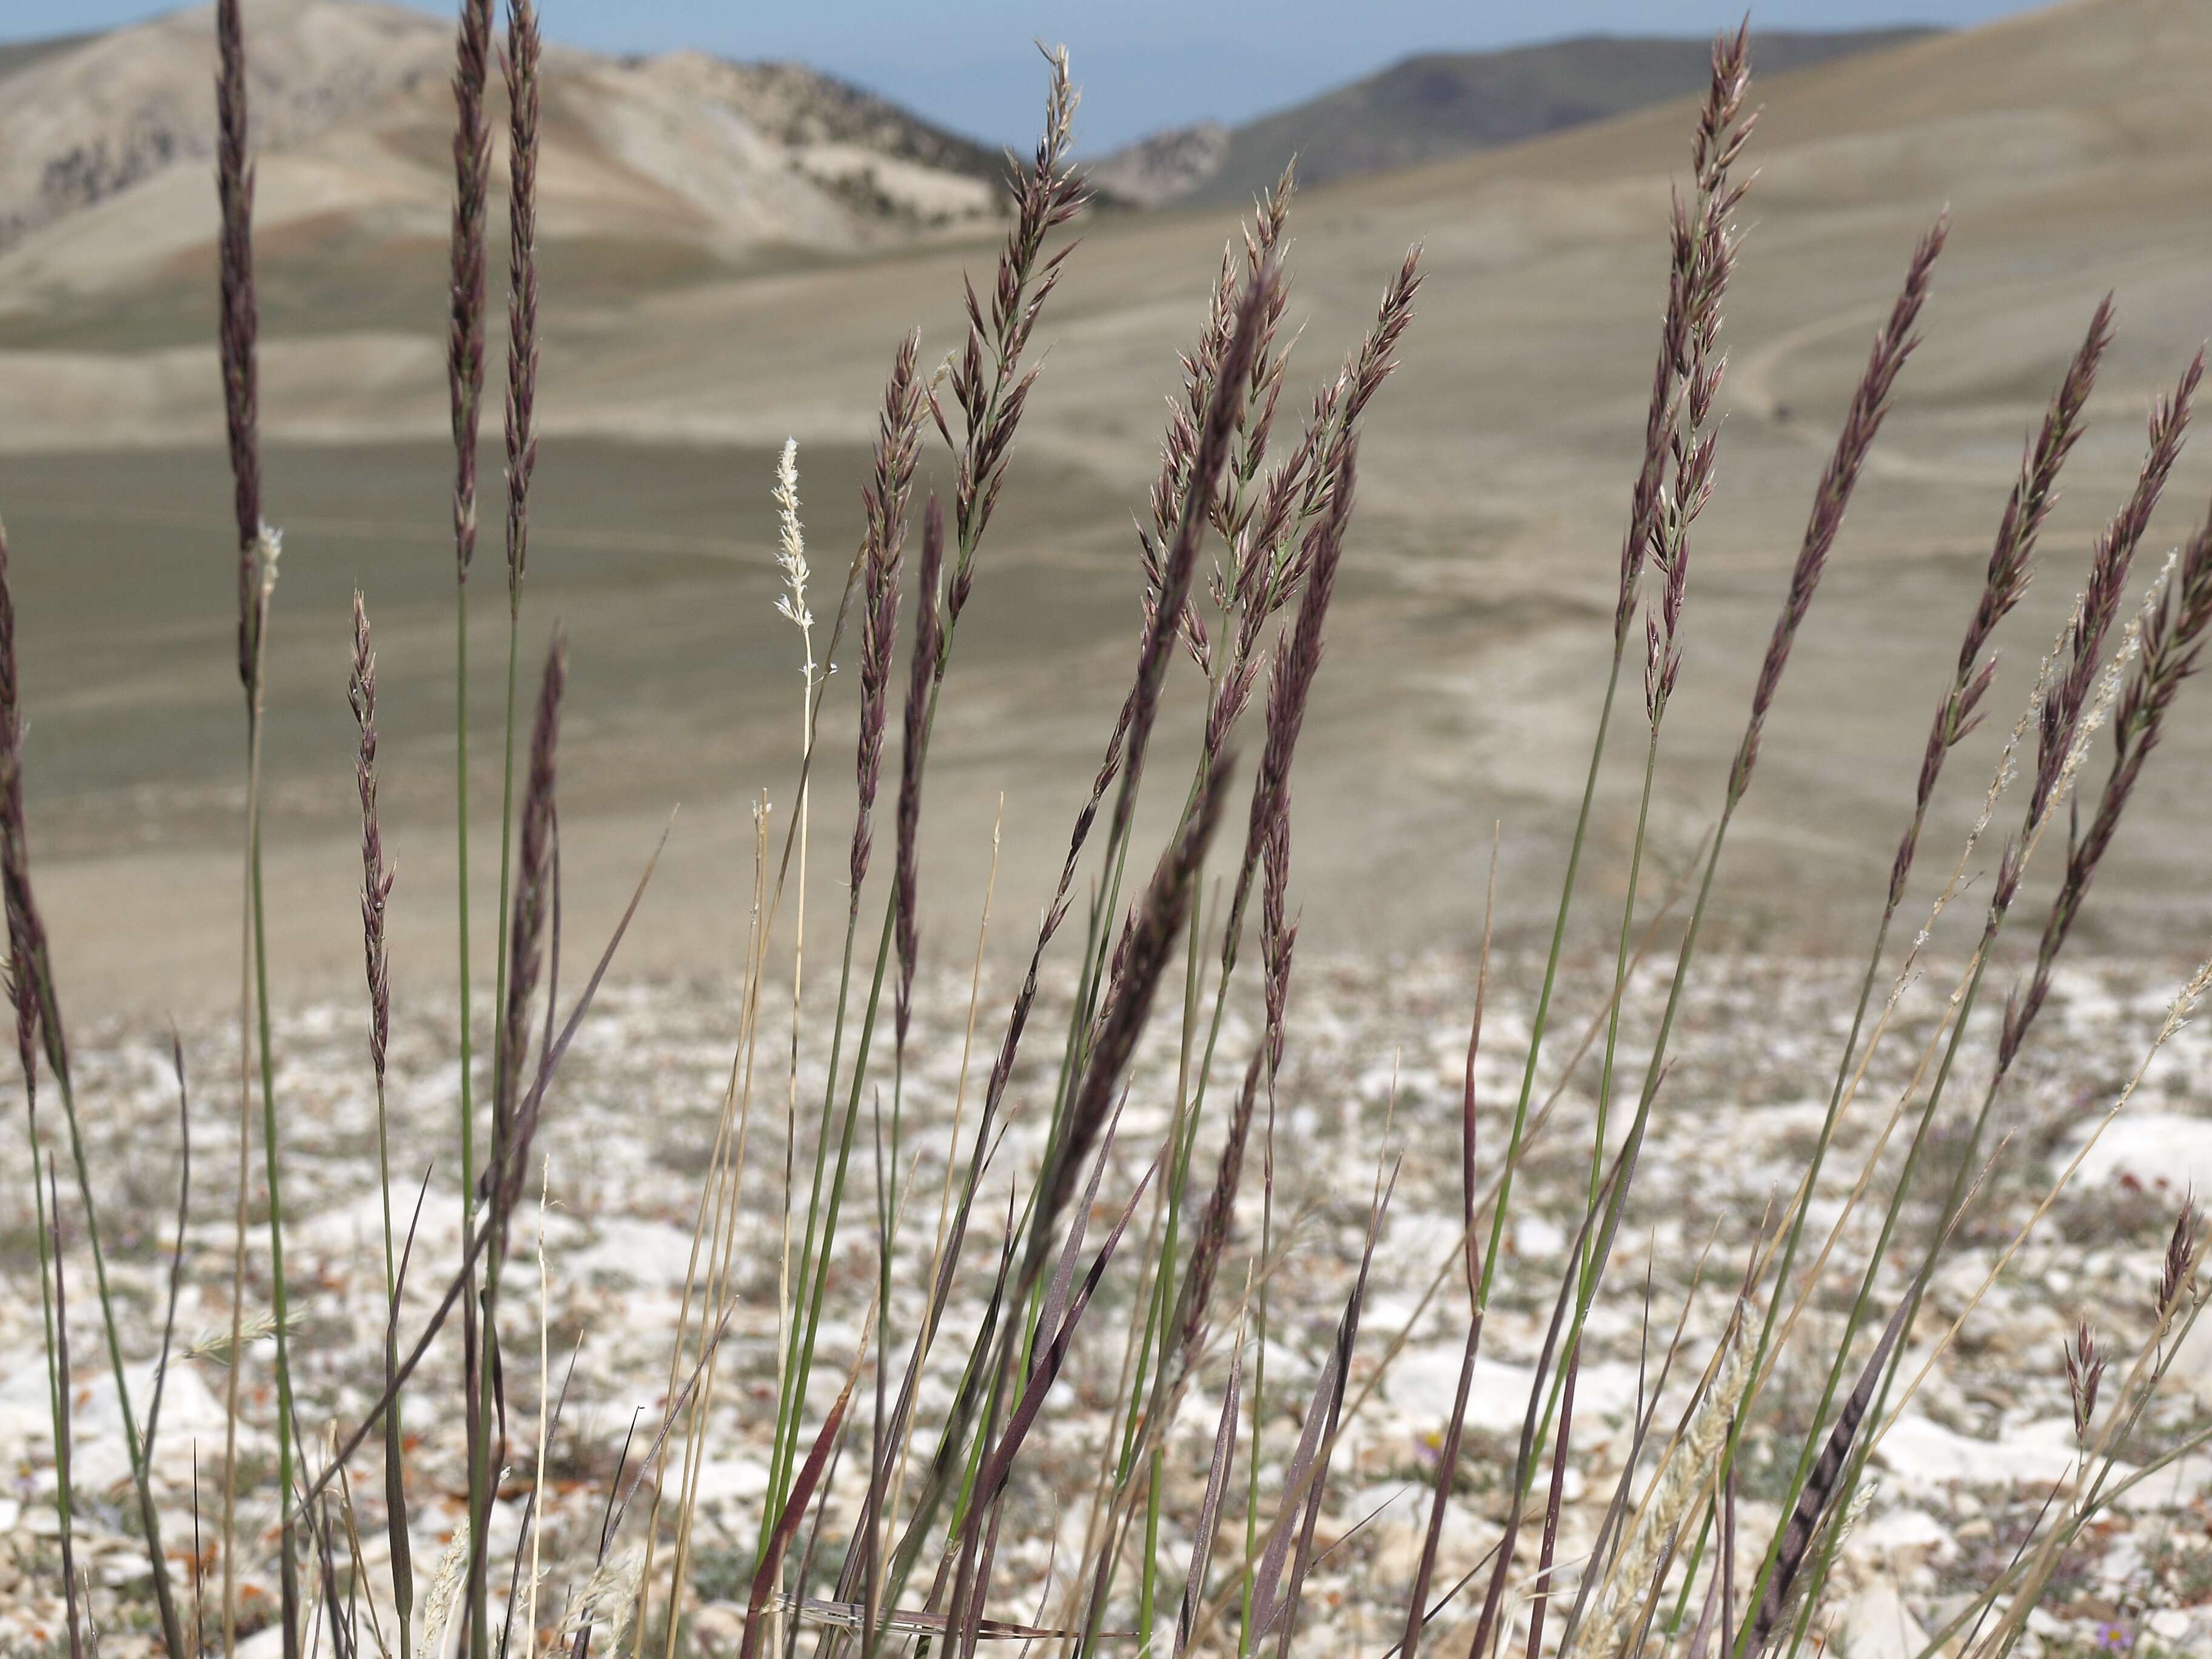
{"x":1437,"y":105}
{"x":106,"y":140}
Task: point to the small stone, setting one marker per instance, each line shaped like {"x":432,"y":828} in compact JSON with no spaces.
{"x":1876,"y":1625}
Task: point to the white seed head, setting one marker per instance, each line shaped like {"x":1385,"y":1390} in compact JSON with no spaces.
{"x":607,"y":1600}
{"x":790,"y":540}
{"x":268,"y":547}
{"x":445,"y":1590}
{"x":214,"y":1345}
{"x":1685,"y":1473}
{"x":2185,"y":1001}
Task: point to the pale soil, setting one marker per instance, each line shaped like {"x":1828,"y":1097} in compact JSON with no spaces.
{"x":1470,"y":638}
{"x":1371,"y":1080}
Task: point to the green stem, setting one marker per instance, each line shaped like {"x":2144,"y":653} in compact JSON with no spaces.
{"x":791,"y":1403}
{"x":804,"y":1368}
{"x":1588,"y":1261}
{"x":481,"y":1473}
{"x":1862,"y":1301}
{"x":461,"y":846}
{"x":886,"y":1239}
{"x":1544,"y":997}
{"x":1655,"y":1071}
{"x":1813,"y":1172}
{"x":278,"y":1309}
{"x":1258,"y":1417}
{"x":1954,"y":1201}
{"x":394,"y":1435}
{"x":1620,"y":982}
{"x":56,"y":1403}
{"x":1151,"y":1553}
{"x":1164,"y":1285}
{"x":1790,"y":1248}
{"x":479,"y":1461}
{"x":501,"y":1059}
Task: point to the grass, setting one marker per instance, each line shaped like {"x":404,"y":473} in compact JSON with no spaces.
{"x":1083,"y":1187}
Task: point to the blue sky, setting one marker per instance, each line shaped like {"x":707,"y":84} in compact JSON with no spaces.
{"x":1143,"y":64}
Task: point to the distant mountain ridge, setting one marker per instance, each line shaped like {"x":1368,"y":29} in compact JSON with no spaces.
{"x":1438,"y":105}
{"x":675,"y":164}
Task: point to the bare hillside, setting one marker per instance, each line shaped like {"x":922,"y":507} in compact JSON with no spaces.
{"x":1434,"y":105}
{"x":2069,"y":145}
{"x":104,"y":144}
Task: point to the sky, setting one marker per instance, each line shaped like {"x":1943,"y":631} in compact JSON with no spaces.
{"x":1143,"y":64}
